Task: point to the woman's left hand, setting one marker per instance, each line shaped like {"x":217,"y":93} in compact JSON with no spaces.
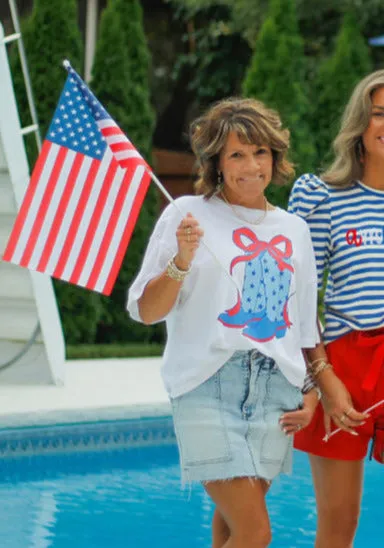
{"x":293,"y":421}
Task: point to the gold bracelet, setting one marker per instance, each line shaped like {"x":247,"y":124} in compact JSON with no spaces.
{"x":322,"y":366}
{"x":175,"y":273}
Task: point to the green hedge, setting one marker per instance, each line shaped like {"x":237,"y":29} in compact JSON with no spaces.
{"x":335,"y":81}
{"x":120,"y":81}
{"x":276,"y":77}
{"x":100,"y":351}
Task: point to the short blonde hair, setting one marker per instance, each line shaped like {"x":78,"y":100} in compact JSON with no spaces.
{"x":253,"y":122}
{"x":348,"y":145}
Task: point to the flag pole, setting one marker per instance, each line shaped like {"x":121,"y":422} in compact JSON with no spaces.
{"x":162,"y":188}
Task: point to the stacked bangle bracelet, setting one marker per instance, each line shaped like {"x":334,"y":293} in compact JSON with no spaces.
{"x":175,"y":273}
{"x":318,"y":366}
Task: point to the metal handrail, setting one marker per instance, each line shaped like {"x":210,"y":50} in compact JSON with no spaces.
{"x":24,"y":67}
{"x":34,"y":127}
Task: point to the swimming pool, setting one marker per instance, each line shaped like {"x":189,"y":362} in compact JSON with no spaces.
{"x":117,"y":484}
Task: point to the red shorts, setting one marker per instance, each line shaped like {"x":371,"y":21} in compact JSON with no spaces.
{"x":358,"y":360}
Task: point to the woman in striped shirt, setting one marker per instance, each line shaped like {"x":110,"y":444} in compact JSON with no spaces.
{"x":345,"y":212}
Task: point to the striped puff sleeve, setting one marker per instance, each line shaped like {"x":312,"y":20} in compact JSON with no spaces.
{"x":310,"y":200}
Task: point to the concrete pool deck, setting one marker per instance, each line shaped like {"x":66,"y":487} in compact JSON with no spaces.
{"x":105,"y":389}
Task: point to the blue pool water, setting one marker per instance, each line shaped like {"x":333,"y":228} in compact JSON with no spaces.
{"x":122,"y":496}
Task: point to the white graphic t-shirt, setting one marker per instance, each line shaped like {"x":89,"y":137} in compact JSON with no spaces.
{"x":258,"y":291}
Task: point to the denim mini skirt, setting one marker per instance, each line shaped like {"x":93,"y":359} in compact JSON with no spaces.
{"x":228,"y":426}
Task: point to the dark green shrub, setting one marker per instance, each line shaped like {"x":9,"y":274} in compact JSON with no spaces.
{"x":120,"y":81}
{"x":335,"y":81}
{"x":276,"y":77}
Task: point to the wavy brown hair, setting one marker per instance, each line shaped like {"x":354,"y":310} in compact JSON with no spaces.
{"x":253,"y":122}
{"x":348,"y":145}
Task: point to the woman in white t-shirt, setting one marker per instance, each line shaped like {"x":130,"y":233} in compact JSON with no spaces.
{"x":237,"y":319}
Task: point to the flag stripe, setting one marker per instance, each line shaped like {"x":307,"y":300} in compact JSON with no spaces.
{"x":108,"y":123}
{"x":33,"y":212}
{"x":50,"y":213}
{"x":96,"y":218}
{"x":117,"y":138}
{"x":127,"y":219}
{"x":28,"y":198}
{"x":127,"y":155}
{"x":75,"y":222}
{"x":49,"y":244}
{"x":85,"y":215}
{"x":110,"y":230}
{"x":70,"y":208}
{"x":110,"y":130}
{"x":43,"y":206}
{"x":103,"y":232}
{"x":120,"y":146}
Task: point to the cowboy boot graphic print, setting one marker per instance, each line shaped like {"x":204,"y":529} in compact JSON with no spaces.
{"x":261,"y":310}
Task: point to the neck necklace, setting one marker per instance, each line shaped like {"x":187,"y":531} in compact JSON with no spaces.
{"x":242,"y":218}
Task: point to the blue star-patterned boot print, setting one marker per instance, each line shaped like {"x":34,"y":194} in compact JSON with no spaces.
{"x":253,"y":298}
{"x":262,"y":307}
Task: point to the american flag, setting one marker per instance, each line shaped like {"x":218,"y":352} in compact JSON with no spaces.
{"x":84,"y":196}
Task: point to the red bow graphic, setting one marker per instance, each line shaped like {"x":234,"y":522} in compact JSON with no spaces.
{"x":256,"y":246}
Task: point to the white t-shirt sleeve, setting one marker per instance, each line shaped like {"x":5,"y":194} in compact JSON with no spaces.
{"x":307,"y":289}
{"x":162,"y":246}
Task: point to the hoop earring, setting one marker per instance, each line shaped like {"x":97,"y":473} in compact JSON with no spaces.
{"x":220,"y":183}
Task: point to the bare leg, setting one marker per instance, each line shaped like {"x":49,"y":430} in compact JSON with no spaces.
{"x":338,"y":486}
{"x":220,"y":530}
{"x":241,"y":518}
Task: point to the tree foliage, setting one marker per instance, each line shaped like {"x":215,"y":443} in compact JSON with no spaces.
{"x":45,"y":53}
{"x":120,"y":81}
{"x":214,"y":55}
{"x":335,"y":81}
{"x":276,"y":77}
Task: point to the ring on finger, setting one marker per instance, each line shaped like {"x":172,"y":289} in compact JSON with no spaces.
{"x":342,"y":418}
{"x":298,"y":427}
{"x":346,"y":413}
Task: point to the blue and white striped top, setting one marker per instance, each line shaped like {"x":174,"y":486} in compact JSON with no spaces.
{"x":347,"y":228}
